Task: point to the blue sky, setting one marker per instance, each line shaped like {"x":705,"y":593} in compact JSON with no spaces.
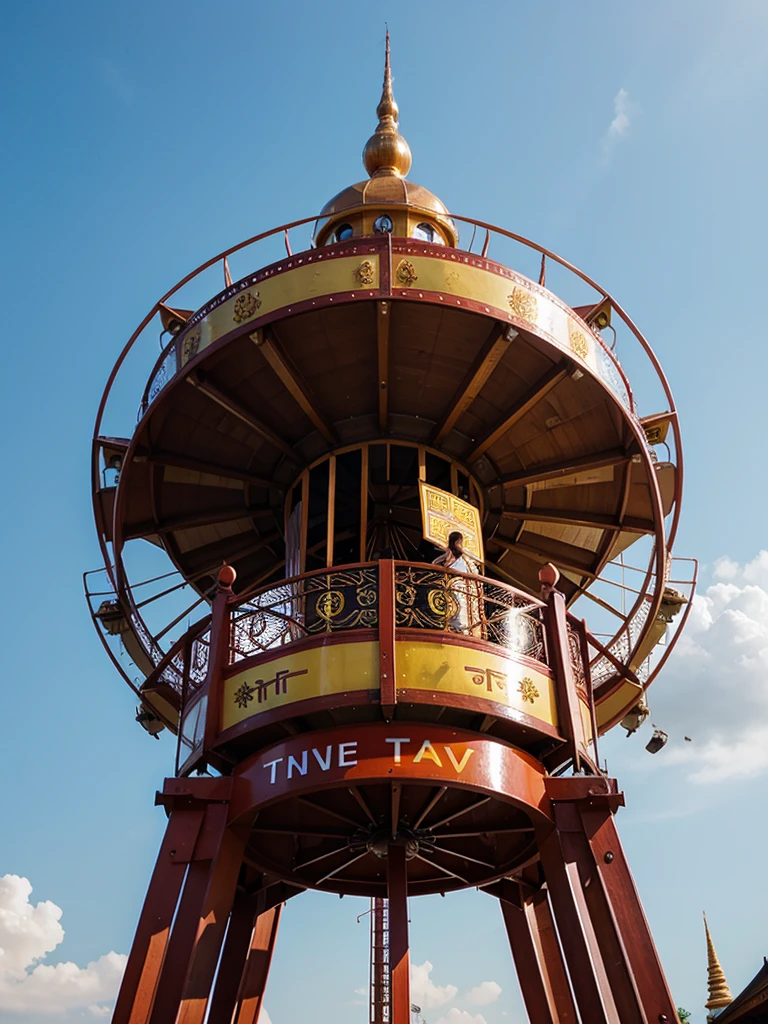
{"x":139,"y":140}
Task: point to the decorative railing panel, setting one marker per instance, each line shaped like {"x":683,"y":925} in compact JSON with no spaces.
{"x":325,"y":602}
{"x":427,"y":597}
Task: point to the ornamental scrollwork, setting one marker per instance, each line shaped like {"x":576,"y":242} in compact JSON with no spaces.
{"x":579,"y":343}
{"x":190,"y":346}
{"x":523,"y":304}
{"x":246,"y":306}
{"x":366,"y":273}
{"x":528,"y":690}
{"x":406,"y":272}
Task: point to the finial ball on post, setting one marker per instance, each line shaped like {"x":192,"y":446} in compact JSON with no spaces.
{"x":549,"y":575}
{"x":227,"y":576}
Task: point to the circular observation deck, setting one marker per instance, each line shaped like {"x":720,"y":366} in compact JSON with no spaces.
{"x":339,"y":377}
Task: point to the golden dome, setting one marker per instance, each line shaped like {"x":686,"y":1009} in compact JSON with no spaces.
{"x":386,"y":189}
{"x":387,"y":158}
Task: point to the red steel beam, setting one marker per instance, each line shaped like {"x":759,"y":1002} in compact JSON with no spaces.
{"x":399,"y":954}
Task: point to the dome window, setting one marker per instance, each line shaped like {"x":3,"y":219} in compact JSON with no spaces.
{"x":426,"y":233}
{"x":343,"y":232}
{"x":383,"y":225}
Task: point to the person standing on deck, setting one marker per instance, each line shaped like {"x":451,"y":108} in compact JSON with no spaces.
{"x":456,"y":558}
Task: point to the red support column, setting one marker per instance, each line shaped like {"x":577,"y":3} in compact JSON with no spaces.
{"x":399,"y":955}
{"x":217,"y":662}
{"x":211,"y":925}
{"x":137,"y":991}
{"x":538,"y":960}
{"x":250,"y":998}
{"x":620,"y":906}
{"x":233,"y":957}
{"x":579,"y":942}
{"x":568,"y":703}
{"x":591,"y":856}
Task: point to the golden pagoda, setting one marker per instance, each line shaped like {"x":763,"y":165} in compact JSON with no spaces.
{"x":719,"y":993}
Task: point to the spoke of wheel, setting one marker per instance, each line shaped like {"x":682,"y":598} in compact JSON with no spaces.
{"x":322,"y":856}
{"x":327,"y":810}
{"x":430,"y":804}
{"x":463,"y":856}
{"x":396,"y":790}
{"x":480,"y":832}
{"x":359,"y":797}
{"x":318,"y":833}
{"x":458,"y":814}
{"x":434,"y":864}
{"x":346,"y":864}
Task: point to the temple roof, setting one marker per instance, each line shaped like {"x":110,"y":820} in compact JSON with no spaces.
{"x":752,"y":1004}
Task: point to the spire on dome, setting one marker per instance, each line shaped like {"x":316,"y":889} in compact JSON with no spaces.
{"x":387,"y":152}
{"x":719,"y":993}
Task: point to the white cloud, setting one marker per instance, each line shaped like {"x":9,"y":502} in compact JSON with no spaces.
{"x":426,"y":994}
{"x":27,"y":933}
{"x":484,"y":993}
{"x":456,"y":1016}
{"x":619,"y":126}
{"x":715,"y":689}
{"x":725,"y":568}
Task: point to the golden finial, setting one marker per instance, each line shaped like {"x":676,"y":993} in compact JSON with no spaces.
{"x":387,"y":152}
{"x":719,"y":993}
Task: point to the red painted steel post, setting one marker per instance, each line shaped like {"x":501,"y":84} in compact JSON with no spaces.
{"x":182,"y":938}
{"x":233,"y":957}
{"x":616,"y":900}
{"x":399,"y":954}
{"x":250,"y":998}
{"x":387,"y":667}
{"x":211,"y":925}
{"x":538,"y":960}
{"x":568,"y":710}
{"x":137,"y":991}
{"x":219,"y":657}
{"x":579,"y":943}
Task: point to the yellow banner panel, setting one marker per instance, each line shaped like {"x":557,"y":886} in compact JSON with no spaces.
{"x":317,"y":672}
{"x":289,"y":287}
{"x":442,"y":513}
{"x":450,"y":668}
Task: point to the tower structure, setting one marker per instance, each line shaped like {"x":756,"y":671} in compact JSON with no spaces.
{"x":350,"y":716}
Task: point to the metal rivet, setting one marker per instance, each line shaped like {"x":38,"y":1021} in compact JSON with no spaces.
{"x":608,"y":858}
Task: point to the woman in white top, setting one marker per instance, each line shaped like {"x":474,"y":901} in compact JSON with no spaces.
{"x":455,"y":557}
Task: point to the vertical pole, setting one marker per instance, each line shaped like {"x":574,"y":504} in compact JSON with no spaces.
{"x":364,"y":503}
{"x":399,"y":956}
{"x":568,"y":710}
{"x":379,"y":984}
{"x":304,"y":521}
{"x":387,"y":667}
{"x":219,"y":656}
{"x":330,"y":533}
{"x":150,"y":943}
{"x":250,"y":998}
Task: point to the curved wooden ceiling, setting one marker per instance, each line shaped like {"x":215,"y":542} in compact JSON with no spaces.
{"x":558,"y":455}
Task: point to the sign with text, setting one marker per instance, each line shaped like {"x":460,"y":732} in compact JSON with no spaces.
{"x":442,"y":513}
